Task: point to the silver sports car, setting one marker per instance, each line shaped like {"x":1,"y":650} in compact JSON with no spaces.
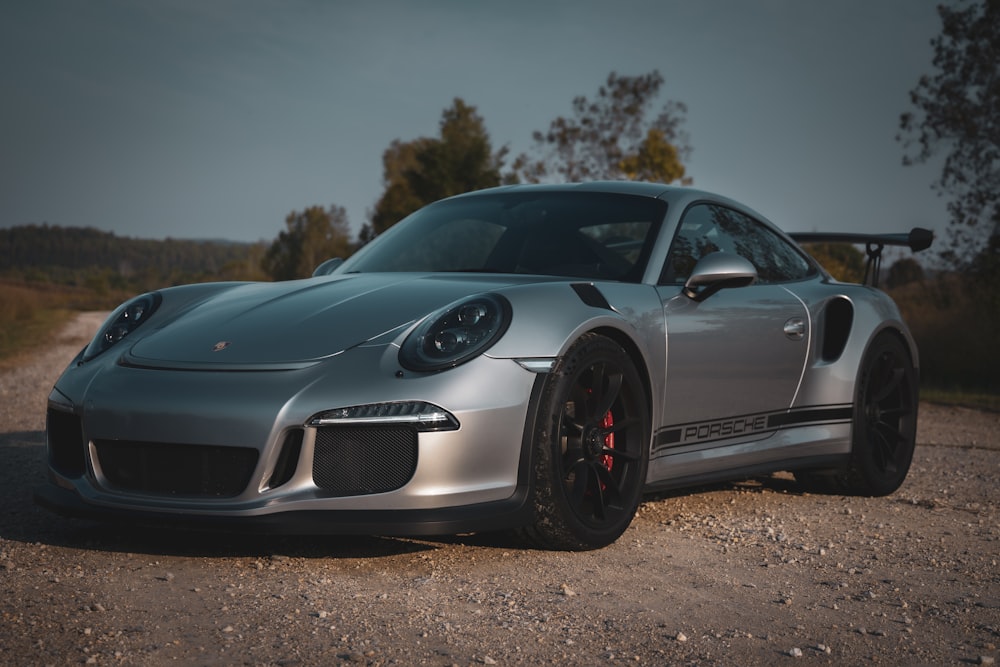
{"x":526,"y":357}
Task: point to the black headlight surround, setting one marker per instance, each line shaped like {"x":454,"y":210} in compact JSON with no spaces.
{"x":456,"y":333}
{"x":124,"y":320}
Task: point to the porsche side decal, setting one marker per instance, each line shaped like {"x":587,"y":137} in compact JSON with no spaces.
{"x":747,"y":425}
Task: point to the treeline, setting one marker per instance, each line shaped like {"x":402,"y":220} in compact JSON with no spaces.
{"x":102,"y":261}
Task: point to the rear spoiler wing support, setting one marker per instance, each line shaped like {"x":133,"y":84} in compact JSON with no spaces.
{"x":916,"y":240}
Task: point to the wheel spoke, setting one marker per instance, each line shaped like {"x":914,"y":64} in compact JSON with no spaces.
{"x":606,"y":386}
{"x":598,"y":505}
{"x":580,"y":475}
{"x":885,"y":452}
{"x":889,"y":385}
{"x":622,"y":454}
{"x":611,"y":496}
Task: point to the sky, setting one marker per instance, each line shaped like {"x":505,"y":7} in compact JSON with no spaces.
{"x":215,"y":119}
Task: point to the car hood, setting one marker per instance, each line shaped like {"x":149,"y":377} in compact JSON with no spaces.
{"x":296,"y":323}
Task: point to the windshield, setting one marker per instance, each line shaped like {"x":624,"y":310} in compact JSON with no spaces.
{"x":573,"y":234}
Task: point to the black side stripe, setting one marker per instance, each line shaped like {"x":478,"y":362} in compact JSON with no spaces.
{"x":750,"y":424}
{"x":809,"y":415}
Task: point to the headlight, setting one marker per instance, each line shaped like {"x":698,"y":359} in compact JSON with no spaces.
{"x":456,"y":334}
{"x":126,"y":318}
{"x":418,"y":414}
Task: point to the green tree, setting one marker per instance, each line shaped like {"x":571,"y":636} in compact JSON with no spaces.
{"x":418,"y":172}
{"x":615,"y":136}
{"x":311,"y":237}
{"x":957,"y":109}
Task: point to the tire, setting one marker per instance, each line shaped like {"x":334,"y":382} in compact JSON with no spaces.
{"x":884,"y":428}
{"x":590,"y":448}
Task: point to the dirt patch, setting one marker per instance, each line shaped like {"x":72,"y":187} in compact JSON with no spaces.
{"x":753,"y":572}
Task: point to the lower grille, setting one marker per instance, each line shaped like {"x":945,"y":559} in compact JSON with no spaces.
{"x":155,"y":468}
{"x":352,"y":461}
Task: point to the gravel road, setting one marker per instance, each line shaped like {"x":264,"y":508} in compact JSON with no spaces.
{"x":753,"y":572}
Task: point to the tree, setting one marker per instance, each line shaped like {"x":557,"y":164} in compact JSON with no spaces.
{"x":958,"y":109}
{"x":426,"y":169}
{"x":903,"y":272}
{"x":310,"y":237}
{"x":842,"y":260}
{"x":612,"y":137}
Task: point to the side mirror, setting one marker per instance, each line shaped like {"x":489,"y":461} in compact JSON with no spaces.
{"x":717,"y":271}
{"x":327,"y":267}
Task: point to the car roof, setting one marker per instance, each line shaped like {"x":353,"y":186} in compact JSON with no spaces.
{"x":620,"y":187}
{"x":675,"y":195}
{"x":678,"y":195}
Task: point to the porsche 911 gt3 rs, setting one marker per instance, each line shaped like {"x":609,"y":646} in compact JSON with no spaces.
{"x":532,"y":358}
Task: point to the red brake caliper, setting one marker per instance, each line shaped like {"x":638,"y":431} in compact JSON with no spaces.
{"x":609,"y":439}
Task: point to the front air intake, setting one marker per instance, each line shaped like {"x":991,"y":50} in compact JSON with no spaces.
{"x":352,"y":461}
{"x":163,"y":469}
{"x":64,"y":440}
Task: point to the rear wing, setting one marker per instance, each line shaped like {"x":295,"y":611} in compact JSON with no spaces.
{"x":916,"y":240}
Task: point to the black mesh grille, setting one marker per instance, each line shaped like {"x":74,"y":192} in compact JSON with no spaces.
{"x":64,"y":435}
{"x":176,"y":470}
{"x":351,"y":461}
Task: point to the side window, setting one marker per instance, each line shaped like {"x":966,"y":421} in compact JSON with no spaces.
{"x":707,"y":228}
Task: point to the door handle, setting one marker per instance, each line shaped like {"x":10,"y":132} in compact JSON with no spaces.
{"x":795,"y":328}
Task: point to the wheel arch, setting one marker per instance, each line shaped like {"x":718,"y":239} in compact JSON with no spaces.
{"x":638,"y":360}
{"x":900,"y":333}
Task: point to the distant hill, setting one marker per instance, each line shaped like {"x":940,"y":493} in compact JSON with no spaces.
{"x":79,"y":256}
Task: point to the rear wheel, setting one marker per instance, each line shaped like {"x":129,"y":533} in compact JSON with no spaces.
{"x":590,"y":447}
{"x":884,"y":427}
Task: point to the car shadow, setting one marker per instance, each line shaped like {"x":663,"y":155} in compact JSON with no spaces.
{"x":21,"y":520}
{"x":777,"y":483}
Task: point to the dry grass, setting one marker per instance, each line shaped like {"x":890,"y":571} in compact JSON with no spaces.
{"x":957,"y":333}
{"x":30,"y":315}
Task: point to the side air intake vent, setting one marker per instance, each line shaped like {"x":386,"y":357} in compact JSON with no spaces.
{"x":838,"y":316}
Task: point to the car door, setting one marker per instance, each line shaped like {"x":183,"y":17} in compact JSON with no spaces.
{"x":736,"y":355}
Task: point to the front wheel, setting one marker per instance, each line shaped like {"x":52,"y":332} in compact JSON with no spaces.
{"x":590,"y":447}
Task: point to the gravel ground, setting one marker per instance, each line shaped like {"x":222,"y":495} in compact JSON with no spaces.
{"x":753,"y":572}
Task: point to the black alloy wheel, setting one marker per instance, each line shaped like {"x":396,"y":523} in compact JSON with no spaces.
{"x":591,"y":447}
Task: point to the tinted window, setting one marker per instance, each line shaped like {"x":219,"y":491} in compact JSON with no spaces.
{"x":588,"y":235}
{"x":707,"y":228}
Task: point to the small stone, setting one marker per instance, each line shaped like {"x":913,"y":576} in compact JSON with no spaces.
{"x":567,"y":591}
{"x":487,"y":660}
{"x":681,"y":637}
{"x":795,"y":653}
{"x":985,"y":660}
{"x":228,"y":628}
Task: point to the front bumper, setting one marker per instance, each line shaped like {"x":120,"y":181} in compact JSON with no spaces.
{"x":470,"y":479}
